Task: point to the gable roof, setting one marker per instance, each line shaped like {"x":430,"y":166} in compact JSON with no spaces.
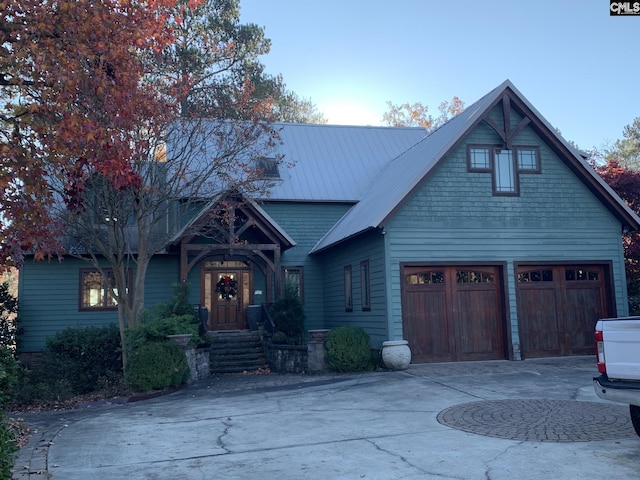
{"x":405,"y":173}
{"x":265,"y":221}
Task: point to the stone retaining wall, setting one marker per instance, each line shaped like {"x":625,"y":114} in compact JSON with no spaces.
{"x":198,"y":361}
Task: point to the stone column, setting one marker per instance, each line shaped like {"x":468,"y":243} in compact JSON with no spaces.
{"x":317,"y":361}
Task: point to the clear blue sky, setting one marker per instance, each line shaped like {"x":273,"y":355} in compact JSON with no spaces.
{"x":575,"y":63}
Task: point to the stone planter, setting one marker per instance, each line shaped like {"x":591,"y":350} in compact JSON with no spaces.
{"x":396,"y":354}
{"x":182,"y":339}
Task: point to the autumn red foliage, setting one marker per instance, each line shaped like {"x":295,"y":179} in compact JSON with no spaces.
{"x":626,"y":183}
{"x":74,"y":95}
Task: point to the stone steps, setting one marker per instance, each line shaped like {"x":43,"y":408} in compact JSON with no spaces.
{"x":236,"y":351}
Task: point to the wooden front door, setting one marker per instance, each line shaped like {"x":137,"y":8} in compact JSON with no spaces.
{"x":453,"y":313}
{"x":226,"y":293}
{"x":558,"y":306}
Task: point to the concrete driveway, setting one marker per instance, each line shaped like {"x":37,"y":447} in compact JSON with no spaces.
{"x":535,"y":419}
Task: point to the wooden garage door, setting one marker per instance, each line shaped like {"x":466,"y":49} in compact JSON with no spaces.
{"x":453,"y":313}
{"x":558,"y":307}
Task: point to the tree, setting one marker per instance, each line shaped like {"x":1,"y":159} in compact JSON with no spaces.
{"x":71,"y":92}
{"x":417,"y":114}
{"x":626,"y":183}
{"x":219,"y":56}
{"x":289,"y":107}
{"x":626,"y":151}
{"x":94,"y":91}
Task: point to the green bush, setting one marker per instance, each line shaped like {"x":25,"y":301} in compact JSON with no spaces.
{"x":155,"y":366}
{"x":178,"y":305}
{"x":173,"y":318}
{"x":348,"y":349}
{"x":287,"y":314}
{"x":155,"y":330}
{"x":9,"y":375}
{"x":44,"y":382}
{"x":280,"y":338}
{"x":8,"y":448}
{"x":8,"y":317}
{"x":83,"y":356}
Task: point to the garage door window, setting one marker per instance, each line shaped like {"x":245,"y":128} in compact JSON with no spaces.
{"x":536,"y":276}
{"x":474,"y":277}
{"x":579,"y":275}
{"x":424,"y":278}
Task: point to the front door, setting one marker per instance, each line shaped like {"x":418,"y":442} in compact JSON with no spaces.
{"x":226,"y":293}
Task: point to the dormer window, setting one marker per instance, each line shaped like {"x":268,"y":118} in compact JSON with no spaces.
{"x":267,"y":167}
{"x":505,"y":165}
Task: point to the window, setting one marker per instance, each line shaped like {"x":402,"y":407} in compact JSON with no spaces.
{"x":580,"y":275}
{"x":474,"y":277}
{"x":504,"y":177}
{"x":425,"y":278}
{"x":97,"y":290}
{"x":293,"y":276}
{"x":267,"y":167}
{"x":479,"y":159}
{"x":504,"y":165}
{"x":365,"y":282}
{"x":544,"y":275}
{"x":528,"y":159}
{"x":348,"y":289}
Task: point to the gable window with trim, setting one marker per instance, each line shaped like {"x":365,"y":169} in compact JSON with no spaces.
{"x":348,"y":289}
{"x":97,"y":290}
{"x":505,"y":165}
{"x":294,"y":276}
{"x":365,"y":283}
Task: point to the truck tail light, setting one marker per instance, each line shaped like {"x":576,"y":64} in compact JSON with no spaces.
{"x":602,"y":366}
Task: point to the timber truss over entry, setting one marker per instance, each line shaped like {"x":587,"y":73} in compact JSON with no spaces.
{"x":231,"y":227}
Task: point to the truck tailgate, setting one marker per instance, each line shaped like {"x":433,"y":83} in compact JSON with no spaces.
{"x":621,"y":347}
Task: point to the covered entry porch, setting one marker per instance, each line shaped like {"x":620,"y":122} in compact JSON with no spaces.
{"x":230,"y":254}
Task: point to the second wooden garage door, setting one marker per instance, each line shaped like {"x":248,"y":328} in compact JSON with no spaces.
{"x":453,"y":313}
{"x":558,"y":307}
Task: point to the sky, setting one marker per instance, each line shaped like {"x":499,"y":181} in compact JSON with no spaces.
{"x":573,"y":61}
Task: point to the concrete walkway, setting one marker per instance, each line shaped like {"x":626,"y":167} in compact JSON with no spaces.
{"x":535,"y":419}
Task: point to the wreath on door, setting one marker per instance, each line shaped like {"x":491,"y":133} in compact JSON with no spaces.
{"x":227,"y":287}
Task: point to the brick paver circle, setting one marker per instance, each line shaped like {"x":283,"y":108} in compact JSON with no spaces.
{"x":540,"y":420}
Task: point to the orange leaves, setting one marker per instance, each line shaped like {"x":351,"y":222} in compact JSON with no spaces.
{"x":417,"y":114}
{"x":77,"y":67}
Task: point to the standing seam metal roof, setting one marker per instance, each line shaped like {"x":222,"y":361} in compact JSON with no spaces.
{"x":332,"y":163}
{"x":404,"y":173}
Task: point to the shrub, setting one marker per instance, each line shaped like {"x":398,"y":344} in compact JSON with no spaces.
{"x":173,"y":318}
{"x":178,"y":305}
{"x":287,"y":314}
{"x":9,"y":375}
{"x":83,"y":356}
{"x":44,"y":382}
{"x":155,"y":366}
{"x":279,"y":338}
{"x":8,"y":448}
{"x":348,"y":349}
{"x":8,"y":317}
{"x":155,"y":330}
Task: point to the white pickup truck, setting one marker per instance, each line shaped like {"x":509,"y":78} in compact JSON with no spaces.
{"x":618,"y":351}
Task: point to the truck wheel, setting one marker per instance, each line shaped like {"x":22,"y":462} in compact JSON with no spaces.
{"x":634,"y":410}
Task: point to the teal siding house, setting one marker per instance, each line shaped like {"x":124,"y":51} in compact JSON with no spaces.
{"x":488,"y":238}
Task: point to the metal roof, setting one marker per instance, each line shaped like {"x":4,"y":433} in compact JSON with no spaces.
{"x":377,"y":168}
{"x":399,"y":177}
{"x":334,"y":162}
